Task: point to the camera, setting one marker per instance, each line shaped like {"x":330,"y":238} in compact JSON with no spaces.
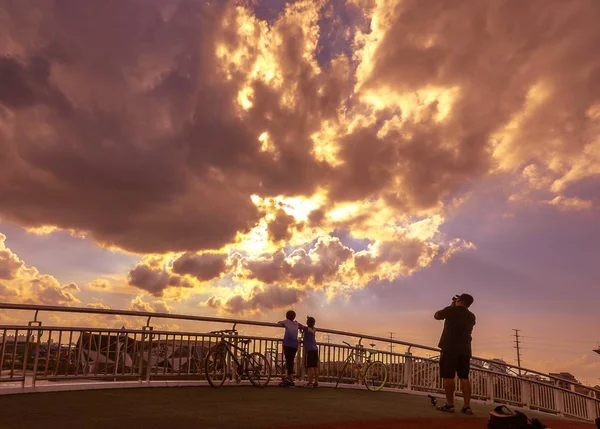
{"x":454,"y":299}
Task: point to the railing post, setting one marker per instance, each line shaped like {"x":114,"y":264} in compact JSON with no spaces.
{"x":27,"y":341}
{"x":37,"y":357}
{"x":25,"y":356}
{"x":300,"y":356}
{"x":591,"y":408}
{"x":526,"y":393}
{"x":559,"y":401}
{"x":490,"y":383}
{"x":149,"y":329}
{"x":408,"y":368}
{"x":300,"y":361}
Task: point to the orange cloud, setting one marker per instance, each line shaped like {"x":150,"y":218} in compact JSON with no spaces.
{"x":158,"y":306}
{"x":232,"y":148}
{"x":19,"y":283}
{"x":259,"y":299}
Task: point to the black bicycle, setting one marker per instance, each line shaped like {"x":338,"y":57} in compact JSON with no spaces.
{"x":254,"y":366}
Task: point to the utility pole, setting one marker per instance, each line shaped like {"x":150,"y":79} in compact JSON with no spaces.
{"x":391,"y":344}
{"x":518,"y":347}
{"x":328,"y":338}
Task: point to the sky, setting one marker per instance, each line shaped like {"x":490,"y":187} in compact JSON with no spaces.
{"x":360,"y":161}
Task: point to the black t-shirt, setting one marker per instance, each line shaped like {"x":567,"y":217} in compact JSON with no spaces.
{"x":458,"y":327}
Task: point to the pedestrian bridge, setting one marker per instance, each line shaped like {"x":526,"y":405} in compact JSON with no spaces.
{"x":66,"y":349}
{"x":240,"y":407}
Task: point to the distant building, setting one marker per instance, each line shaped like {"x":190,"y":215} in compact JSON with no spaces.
{"x":498,"y":365}
{"x":570,"y":379}
{"x":536,"y":377}
{"x":477,"y":363}
{"x":571,"y":383}
{"x":22,"y":338}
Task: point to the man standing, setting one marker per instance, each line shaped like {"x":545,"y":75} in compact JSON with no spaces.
{"x":456,"y":350}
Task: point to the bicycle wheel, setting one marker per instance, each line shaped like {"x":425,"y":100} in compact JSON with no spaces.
{"x":341,"y":374}
{"x":258,"y":369}
{"x":215,"y":368}
{"x":376,"y":376}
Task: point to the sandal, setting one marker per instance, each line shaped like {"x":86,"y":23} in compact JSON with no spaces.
{"x":446,"y":408}
{"x":467,"y":410}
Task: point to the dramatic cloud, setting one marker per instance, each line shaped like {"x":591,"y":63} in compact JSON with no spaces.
{"x":267,"y":298}
{"x":97,"y":305}
{"x":232,"y":142}
{"x":509,"y":83}
{"x":101,"y":284}
{"x":153,"y":278}
{"x":326,"y":265}
{"x":25,"y":284}
{"x":138,"y":304}
{"x":205,"y":266}
{"x":8,"y":293}
{"x":279,"y":228}
{"x":321,"y":262}
{"x":9,"y":263}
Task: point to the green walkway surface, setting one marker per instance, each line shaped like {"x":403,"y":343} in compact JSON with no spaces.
{"x":228,"y":407}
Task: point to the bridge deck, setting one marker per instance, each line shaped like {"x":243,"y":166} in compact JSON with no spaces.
{"x":238,"y":407}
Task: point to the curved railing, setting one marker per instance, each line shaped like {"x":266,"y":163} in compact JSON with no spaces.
{"x":34,"y":354}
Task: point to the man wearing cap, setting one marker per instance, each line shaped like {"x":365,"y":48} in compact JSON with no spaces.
{"x":455,"y":344}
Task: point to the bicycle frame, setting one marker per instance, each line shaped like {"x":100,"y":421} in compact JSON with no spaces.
{"x":231,"y":350}
{"x":363,"y":358}
{"x":362,"y":366}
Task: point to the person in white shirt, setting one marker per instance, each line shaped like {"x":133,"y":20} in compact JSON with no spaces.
{"x":290,"y":346}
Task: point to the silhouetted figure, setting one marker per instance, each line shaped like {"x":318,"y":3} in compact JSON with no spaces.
{"x":311,"y":362}
{"x":290,"y":346}
{"x":455,"y":343}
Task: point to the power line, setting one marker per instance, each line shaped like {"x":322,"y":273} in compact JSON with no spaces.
{"x":559,"y":345}
{"x":486,"y":342}
{"x":559,"y":340}
{"x":562,"y":351}
{"x":518,"y":347}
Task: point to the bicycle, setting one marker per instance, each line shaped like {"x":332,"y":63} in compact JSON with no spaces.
{"x":278,"y":367}
{"x":372,"y":373}
{"x":252,"y":365}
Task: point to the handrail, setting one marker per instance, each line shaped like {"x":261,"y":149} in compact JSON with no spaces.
{"x":53,"y":308}
{"x":110,"y":311}
{"x":54,"y":328}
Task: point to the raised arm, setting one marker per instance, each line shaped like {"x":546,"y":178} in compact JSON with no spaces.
{"x":442,"y":314}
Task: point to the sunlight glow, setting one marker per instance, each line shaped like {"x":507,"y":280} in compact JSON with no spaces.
{"x":245,"y":98}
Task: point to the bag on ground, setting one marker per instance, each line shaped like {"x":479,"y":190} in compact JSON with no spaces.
{"x":504,"y":418}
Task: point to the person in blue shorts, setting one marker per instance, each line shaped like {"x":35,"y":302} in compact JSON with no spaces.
{"x":311,"y":351}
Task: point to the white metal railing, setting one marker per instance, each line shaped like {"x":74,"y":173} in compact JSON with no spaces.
{"x":32,"y":354}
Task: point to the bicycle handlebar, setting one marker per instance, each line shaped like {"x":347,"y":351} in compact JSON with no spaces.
{"x":356,"y":347}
